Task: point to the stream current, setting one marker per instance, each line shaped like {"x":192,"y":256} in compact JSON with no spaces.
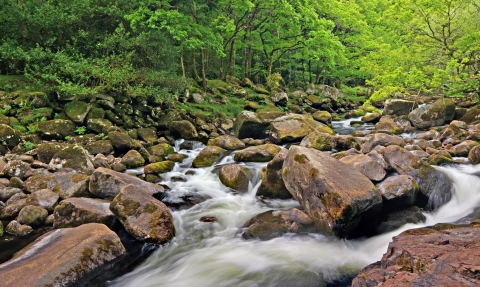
{"x":214,"y":254}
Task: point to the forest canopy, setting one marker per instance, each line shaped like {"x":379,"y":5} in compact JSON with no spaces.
{"x":159,"y":48}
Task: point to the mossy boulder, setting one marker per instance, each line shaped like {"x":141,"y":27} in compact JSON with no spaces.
{"x":13,"y":206}
{"x":474,"y":155}
{"x":67,"y":257}
{"x":272,"y":185}
{"x":17,"y":168}
{"x":338,"y":198}
{"x":56,"y":129}
{"x":104,"y":147}
{"x":9,"y":137}
{"x":32,"y":215}
{"x":16,"y":229}
{"x":144,"y":217}
{"x":160,"y":151}
{"x":122,"y":142}
{"x":265,"y":226}
{"x":322,"y":116}
{"x":76,"y":211}
{"x":398,"y":191}
{"x":1,"y":229}
{"x":99,"y":125}
{"x":208,"y":156}
{"x":148,"y":135}
{"x":318,"y":140}
{"x":183,"y":129}
{"x":77,"y":111}
{"x":7,"y":192}
{"x":133,"y":159}
{"x":47,"y":150}
{"x":399,"y":107}
{"x":235,"y":177}
{"x":388,"y":125}
{"x":250,"y":125}
{"x":227,"y":142}
{"x":159,"y":167}
{"x":366,"y":165}
{"x":45,"y":198}
{"x":291,"y":128}
{"x":260,"y":153}
{"x":64,"y":184}
{"x":176,"y":157}
{"x":36,"y":115}
{"x":382,"y":139}
{"x":75,"y":157}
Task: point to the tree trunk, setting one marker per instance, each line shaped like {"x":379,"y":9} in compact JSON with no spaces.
{"x":204,"y":78}
{"x":194,"y":68}
{"x":183,"y":65}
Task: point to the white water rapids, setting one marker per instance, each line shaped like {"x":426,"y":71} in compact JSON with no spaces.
{"x":214,"y":254}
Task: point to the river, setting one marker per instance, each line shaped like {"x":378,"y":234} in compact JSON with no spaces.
{"x":214,"y":254}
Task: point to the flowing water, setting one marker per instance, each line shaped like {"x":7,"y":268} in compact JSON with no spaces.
{"x":214,"y":254}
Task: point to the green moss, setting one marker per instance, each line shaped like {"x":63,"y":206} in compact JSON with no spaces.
{"x":313,"y":172}
{"x":130,"y":207}
{"x":300,"y":158}
{"x":159,"y":167}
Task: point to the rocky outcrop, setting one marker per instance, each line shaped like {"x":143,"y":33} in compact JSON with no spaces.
{"x":144,"y":217}
{"x":64,"y":257}
{"x":106,"y":183}
{"x":441,"y":255}
{"x":339,"y":199}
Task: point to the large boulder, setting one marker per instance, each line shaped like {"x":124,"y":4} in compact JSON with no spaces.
{"x":64,"y":257}
{"x":272,"y":185}
{"x":398,"y":107}
{"x":208,"y":156}
{"x":227,"y":142}
{"x":47,"y":150}
{"x":74,"y":157}
{"x":431,"y":115}
{"x":291,"y":128}
{"x":366,"y":165}
{"x":432,"y":183}
{"x":44,"y":198}
{"x":235,"y":177}
{"x":65,"y":183}
{"x":106,"y":183}
{"x":144,"y":217}
{"x":442,"y":255}
{"x":104,"y":147}
{"x":250,"y":125}
{"x":99,"y":125}
{"x":160,"y":151}
{"x":56,"y":129}
{"x":132,"y":159}
{"x":32,"y":215}
{"x":122,"y":142}
{"x":260,"y":153}
{"x":398,"y":191}
{"x":339,"y":199}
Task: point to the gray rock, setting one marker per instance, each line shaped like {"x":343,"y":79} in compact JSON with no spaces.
{"x":44,"y":198}
{"x":366,"y":165}
{"x":398,"y":107}
{"x":77,"y":211}
{"x":431,"y":115}
{"x":17,"y":229}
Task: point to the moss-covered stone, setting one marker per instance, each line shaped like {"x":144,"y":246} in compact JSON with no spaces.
{"x":159,"y":167}
{"x":322,"y":116}
{"x":235,"y":177}
{"x":121,"y":142}
{"x":208,"y":156}
{"x":9,"y":137}
{"x":99,"y":125}
{"x":1,"y":229}
{"x":261,"y":153}
{"x":133,"y":159}
{"x":176,"y":157}
{"x":160,"y":151}
{"x":183,"y":129}
{"x":32,"y":215}
{"x":99,"y":147}
{"x":17,"y":229}
{"x":56,"y":129}
{"x":36,"y":115}
{"x":227,"y":142}
{"x":75,"y":157}
{"x":265,"y":226}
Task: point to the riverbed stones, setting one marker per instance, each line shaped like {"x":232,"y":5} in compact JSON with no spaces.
{"x":44,"y":198}
{"x":318,"y":140}
{"x":431,"y":115}
{"x":106,"y":183}
{"x":366,"y":165}
{"x":144,"y":217}
{"x":7,"y":192}
{"x":99,"y":125}
{"x":291,"y":128}
{"x":159,"y":167}
{"x":77,"y":111}
{"x":208,"y":156}
{"x":383,"y":140}
{"x":272,"y":185}
{"x":260,"y":153}
{"x":250,"y":125}
{"x":104,"y":147}
{"x":432,"y":183}
{"x":160,"y":151}
{"x":64,"y":257}
{"x":17,"y":168}
{"x":149,"y":135}
{"x":235,"y":177}
{"x":13,"y":206}
{"x":441,"y":255}
{"x":122,"y":142}
{"x":339,"y":199}
{"x":396,"y":219}
{"x":227,"y":142}
{"x":8,"y":136}
{"x":73,"y":212}
{"x":322,"y":116}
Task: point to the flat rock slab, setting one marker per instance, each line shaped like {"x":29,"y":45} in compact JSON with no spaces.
{"x":442,"y":255}
{"x":64,"y":257}
{"x":106,"y":183}
{"x":76,"y":211}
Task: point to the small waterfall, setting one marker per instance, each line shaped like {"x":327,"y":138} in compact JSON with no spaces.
{"x":214,"y":254}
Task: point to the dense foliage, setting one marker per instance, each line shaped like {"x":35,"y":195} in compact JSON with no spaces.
{"x":152,"y":48}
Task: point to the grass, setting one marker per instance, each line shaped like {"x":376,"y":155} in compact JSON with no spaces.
{"x":216,"y":110}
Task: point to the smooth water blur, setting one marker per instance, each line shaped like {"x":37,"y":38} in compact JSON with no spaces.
{"x":344,"y":127}
{"x":214,"y":254}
